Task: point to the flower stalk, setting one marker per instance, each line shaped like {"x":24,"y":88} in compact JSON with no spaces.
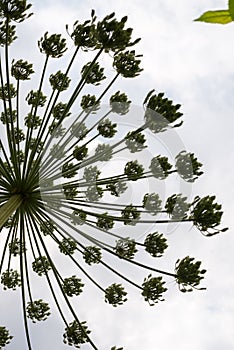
{"x":8,"y":208}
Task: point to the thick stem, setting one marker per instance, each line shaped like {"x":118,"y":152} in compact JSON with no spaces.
{"x":7,"y":209}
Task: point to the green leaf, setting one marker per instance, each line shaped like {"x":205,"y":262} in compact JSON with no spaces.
{"x":231,"y":8}
{"x":219,"y":16}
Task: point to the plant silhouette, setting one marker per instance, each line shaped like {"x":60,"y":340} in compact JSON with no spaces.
{"x":53,"y":189}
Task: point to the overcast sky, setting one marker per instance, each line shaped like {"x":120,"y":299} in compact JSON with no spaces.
{"x":192,"y":63}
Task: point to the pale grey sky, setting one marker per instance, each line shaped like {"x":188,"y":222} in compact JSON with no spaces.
{"x":192,"y":63}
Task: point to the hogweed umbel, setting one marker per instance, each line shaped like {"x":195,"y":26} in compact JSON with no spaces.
{"x":53,"y":180}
